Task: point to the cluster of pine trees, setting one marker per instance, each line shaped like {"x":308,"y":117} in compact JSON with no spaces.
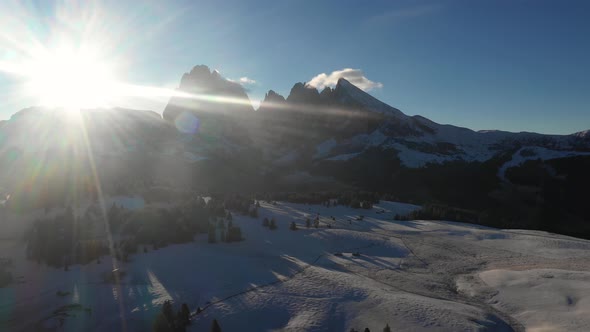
{"x":169,"y":321}
{"x":69,"y":239}
{"x":224,"y":230}
{"x":61,"y":241}
{"x":385,"y":329}
{"x":270,"y":224}
{"x":353,"y":199}
{"x":440,"y":212}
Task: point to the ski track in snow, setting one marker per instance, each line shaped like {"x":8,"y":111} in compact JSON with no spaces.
{"x":414,"y":275}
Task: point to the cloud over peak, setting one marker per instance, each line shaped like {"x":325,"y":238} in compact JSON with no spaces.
{"x":354,"y":76}
{"x":243,"y":80}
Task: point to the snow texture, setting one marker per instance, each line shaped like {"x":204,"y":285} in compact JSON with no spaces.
{"x":413,"y":275}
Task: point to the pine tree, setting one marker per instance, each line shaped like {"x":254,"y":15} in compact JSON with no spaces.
{"x":265,"y":222}
{"x":215,"y":326}
{"x":185,"y":314}
{"x":168,"y":311}
{"x":161,"y":324}
{"x":273,"y":224}
{"x":254,"y":212}
{"x":234,"y":234}
{"x":386,"y":328}
{"x":212,"y":237}
{"x":307,"y":222}
{"x":367,"y":329}
{"x":293,"y":226}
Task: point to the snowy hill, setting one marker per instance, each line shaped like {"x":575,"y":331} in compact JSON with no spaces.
{"x":413,"y":275}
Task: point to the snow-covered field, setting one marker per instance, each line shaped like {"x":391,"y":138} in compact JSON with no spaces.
{"x":412,"y":275}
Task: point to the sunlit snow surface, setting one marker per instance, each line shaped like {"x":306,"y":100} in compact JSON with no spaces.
{"x":413,"y":275}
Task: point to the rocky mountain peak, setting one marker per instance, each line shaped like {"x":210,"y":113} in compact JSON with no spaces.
{"x":302,"y":93}
{"x":273,"y":97}
{"x":327,"y":94}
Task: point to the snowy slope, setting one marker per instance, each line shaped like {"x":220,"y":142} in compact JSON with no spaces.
{"x":532,"y":153}
{"x":413,"y":275}
{"x":419,"y":141}
{"x":352,"y":94}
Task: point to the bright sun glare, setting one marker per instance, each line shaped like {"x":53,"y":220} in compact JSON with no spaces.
{"x":72,"y":78}
{"x":77,"y":61}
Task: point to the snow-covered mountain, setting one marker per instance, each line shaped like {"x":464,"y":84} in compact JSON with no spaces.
{"x":341,"y":123}
{"x":211,"y":136}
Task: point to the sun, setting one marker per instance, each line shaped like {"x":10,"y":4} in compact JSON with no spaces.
{"x":72,"y":78}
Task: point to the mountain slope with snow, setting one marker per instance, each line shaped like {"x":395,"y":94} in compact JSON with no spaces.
{"x":413,"y":275}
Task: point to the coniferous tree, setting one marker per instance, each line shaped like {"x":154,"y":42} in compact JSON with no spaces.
{"x":265,"y":222}
{"x":161,"y":324}
{"x":215,"y":326}
{"x":307,"y":222}
{"x":367,"y":329}
{"x":168,"y":312}
{"x":273,"y":224}
{"x":254,"y":212}
{"x":234,"y":234}
{"x":386,"y":328}
{"x":185,"y":314}
{"x":293,"y":226}
{"x":179,"y":322}
{"x":212,"y":237}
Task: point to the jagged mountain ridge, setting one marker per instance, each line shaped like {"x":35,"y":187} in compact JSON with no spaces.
{"x":350,"y":121}
{"x":335,"y":124}
{"x":301,"y":132}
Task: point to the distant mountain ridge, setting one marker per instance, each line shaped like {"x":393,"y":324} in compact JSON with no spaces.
{"x":343,"y":120}
{"x":210,"y":136}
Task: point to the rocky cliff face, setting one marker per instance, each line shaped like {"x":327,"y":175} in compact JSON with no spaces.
{"x":210,"y":106}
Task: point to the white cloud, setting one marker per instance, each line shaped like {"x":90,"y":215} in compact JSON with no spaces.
{"x":243,"y":80}
{"x":354,"y":76}
{"x":246,"y":80}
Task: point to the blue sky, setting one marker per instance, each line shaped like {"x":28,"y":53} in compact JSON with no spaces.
{"x":513,"y":65}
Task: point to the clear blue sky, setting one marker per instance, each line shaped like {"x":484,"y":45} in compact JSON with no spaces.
{"x":514,"y":65}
